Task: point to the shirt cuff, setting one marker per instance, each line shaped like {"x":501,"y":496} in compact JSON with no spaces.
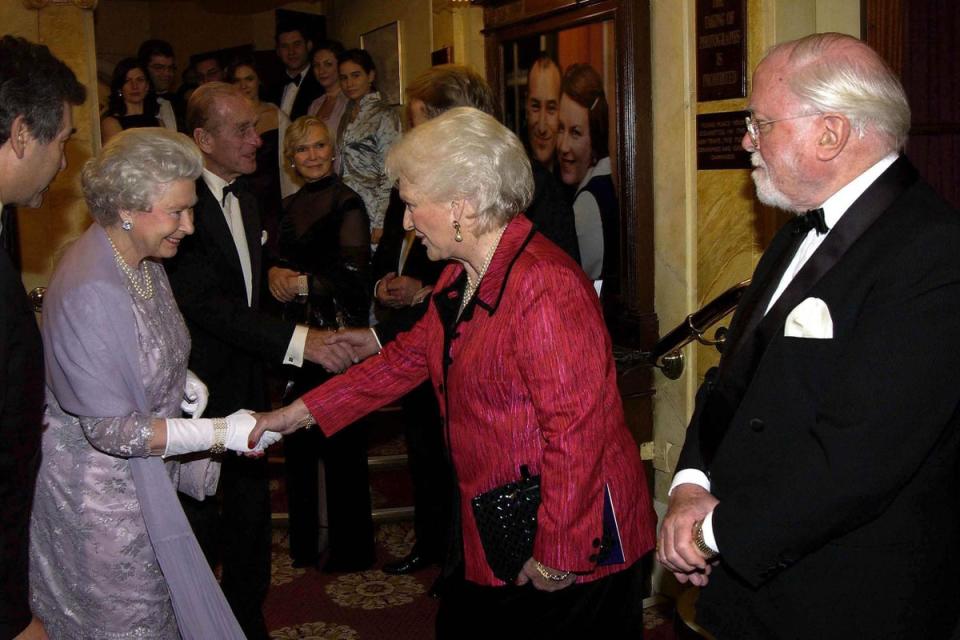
{"x":708,"y":538}
{"x":690,"y":476}
{"x":377,"y":338}
{"x":295,"y":349}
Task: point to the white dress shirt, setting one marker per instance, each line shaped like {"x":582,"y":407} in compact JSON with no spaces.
{"x":166,"y":115}
{"x":290,"y":91}
{"x":833,"y":209}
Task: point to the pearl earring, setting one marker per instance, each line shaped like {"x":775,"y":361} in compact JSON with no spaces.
{"x":457,"y":235}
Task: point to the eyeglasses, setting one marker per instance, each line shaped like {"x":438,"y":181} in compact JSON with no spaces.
{"x":753,"y":126}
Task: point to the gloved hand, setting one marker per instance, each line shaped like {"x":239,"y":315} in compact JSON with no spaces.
{"x":269,"y":438}
{"x":195,"y":396}
{"x":192,"y":435}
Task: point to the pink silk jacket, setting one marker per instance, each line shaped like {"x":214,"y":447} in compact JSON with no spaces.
{"x":524,"y":377}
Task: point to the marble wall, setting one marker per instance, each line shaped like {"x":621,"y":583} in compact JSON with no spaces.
{"x":709,"y":230}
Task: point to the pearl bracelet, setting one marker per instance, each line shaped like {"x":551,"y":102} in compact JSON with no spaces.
{"x":549,"y":575}
{"x":219,"y":436}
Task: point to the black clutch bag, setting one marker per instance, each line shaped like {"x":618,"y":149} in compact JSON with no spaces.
{"x":506,"y":518}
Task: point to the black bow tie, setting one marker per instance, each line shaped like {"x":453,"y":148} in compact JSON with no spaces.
{"x":295,"y":80}
{"x":236,"y":187}
{"x":812,"y":219}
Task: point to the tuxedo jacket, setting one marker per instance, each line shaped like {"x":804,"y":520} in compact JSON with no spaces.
{"x":835,"y":461}
{"x":21,"y":408}
{"x":310,"y":89}
{"x":232,"y":341}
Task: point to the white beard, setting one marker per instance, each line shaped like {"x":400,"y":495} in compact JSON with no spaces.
{"x":767,"y":193}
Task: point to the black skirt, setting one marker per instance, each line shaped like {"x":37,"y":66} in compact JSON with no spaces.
{"x":611,"y":607}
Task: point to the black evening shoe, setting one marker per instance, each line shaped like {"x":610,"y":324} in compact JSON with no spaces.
{"x":413,"y":561}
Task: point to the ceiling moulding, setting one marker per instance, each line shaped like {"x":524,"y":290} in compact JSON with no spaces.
{"x":43,"y":4}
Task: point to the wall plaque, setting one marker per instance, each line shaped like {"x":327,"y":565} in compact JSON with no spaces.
{"x":718,"y":141}
{"x":721,"y":49}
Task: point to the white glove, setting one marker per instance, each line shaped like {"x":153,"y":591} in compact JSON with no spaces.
{"x":192,"y":435}
{"x":195,"y":396}
{"x":266,"y":440}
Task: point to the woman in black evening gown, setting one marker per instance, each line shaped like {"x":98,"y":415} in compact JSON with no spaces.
{"x":321,"y":274}
{"x":132,"y":102}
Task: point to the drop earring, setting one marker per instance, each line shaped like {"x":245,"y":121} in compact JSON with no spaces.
{"x":126,"y":225}
{"x":457,"y":235}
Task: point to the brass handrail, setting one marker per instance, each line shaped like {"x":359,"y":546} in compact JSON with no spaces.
{"x":666,"y":354}
{"x":695,"y":325}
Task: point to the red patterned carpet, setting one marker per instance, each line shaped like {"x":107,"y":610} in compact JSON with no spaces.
{"x":305,"y":604}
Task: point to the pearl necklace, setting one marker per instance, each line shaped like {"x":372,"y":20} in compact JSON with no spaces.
{"x":472,"y":286}
{"x":144,"y":290}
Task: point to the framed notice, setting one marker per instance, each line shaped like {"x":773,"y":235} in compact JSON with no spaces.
{"x":383,"y":45}
{"x":718,"y":141}
{"x":721,"y":49}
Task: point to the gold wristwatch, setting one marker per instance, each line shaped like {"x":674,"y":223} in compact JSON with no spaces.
{"x":700,"y":543}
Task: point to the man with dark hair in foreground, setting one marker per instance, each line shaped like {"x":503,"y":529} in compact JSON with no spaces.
{"x":36,"y":94}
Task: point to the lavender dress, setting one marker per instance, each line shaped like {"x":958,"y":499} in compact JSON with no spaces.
{"x":94,"y":572}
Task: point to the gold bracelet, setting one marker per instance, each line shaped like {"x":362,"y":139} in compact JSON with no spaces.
{"x":219,"y":436}
{"x":700,"y":542}
{"x":304,"y":422}
{"x":549,"y":575}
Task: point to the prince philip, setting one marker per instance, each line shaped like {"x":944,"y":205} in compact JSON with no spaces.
{"x":816,"y":495}
{"x":217,"y":278}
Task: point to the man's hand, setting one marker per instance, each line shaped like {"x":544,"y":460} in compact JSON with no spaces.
{"x":400,"y":290}
{"x":335,"y":357}
{"x":284,"y":283}
{"x":382,"y":292}
{"x":362,"y":341}
{"x":676,"y":551}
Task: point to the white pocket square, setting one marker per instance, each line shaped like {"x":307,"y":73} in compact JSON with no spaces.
{"x":263,"y":238}
{"x":809,"y":319}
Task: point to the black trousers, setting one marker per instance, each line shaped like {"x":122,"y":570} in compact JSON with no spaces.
{"x":611,"y":607}
{"x":428,"y":469}
{"x":233,"y":529}
{"x":348,"y":494}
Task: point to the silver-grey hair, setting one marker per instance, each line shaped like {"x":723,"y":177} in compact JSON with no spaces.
{"x":465,"y":154}
{"x":836,"y":73}
{"x":134,"y":169}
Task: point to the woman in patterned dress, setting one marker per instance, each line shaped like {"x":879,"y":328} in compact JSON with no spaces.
{"x":111,"y":553}
{"x":367,"y":130}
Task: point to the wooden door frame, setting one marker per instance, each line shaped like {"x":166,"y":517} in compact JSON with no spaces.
{"x":637,"y":327}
